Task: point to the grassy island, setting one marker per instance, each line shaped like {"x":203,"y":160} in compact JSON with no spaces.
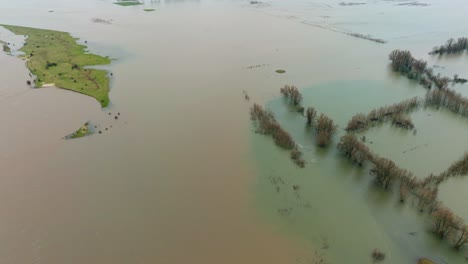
{"x":83,"y":131}
{"x":149,"y":9}
{"x":55,"y":58}
{"x":6,"y":48}
{"x":127,"y":3}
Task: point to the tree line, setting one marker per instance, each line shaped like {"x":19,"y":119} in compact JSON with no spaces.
{"x":445,"y":223}
{"x":395,"y":112}
{"x":451,"y":46}
{"x":324,"y":126}
{"x":403,"y":62}
{"x":266,"y":124}
{"x":448,"y":99}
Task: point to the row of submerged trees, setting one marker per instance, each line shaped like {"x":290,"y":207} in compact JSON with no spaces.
{"x":395,"y":112}
{"x":448,"y":99}
{"x":403,"y":62}
{"x":324,"y":126}
{"x":452,"y":46}
{"x":387,"y":174}
{"x":445,"y":223}
{"x":266,"y":124}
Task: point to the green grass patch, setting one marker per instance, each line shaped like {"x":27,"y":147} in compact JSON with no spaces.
{"x":5,"y":47}
{"x":55,"y":57}
{"x":83,"y":131}
{"x":128,"y":3}
{"x":149,"y":9}
{"x":280,"y":71}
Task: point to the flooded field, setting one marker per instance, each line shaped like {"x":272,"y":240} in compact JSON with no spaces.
{"x":180,"y":176}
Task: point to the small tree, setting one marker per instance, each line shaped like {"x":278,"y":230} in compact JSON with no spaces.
{"x":443,"y":220}
{"x":461,"y":236}
{"x":310,"y":114}
{"x":325,"y":130}
{"x":291,"y":92}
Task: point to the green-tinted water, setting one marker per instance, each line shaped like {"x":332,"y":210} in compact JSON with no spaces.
{"x":337,"y":207}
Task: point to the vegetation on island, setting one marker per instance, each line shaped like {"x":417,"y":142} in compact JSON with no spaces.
{"x":127,"y":2}
{"x":425,"y":261}
{"x":55,"y":58}
{"x":83,"y":131}
{"x":452,"y":46}
{"x":149,"y":9}
{"x":5,"y":47}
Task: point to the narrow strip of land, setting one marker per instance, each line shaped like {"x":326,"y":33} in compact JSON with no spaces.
{"x":55,"y":57}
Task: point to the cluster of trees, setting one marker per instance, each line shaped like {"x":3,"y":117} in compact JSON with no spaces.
{"x":445,"y":223}
{"x":450,"y":226}
{"x":361,"y":121}
{"x":354,"y":149}
{"x":266,"y":124}
{"x":291,"y":92}
{"x":387,"y":172}
{"x":449,"y":99}
{"x":325,"y":128}
{"x":452,"y":46}
{"x":404,"y":63}
{"x":403,"y":121}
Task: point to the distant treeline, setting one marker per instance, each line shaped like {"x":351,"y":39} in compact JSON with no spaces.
{"x":452,"y":46}
{"x":394,"y":112}
{"x":266,"y":124}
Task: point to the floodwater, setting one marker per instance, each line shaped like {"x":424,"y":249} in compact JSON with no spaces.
{"x":180,"y":177}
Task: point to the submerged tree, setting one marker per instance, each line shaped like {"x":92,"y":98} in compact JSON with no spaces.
{"x":291,"y":92}
{"x":311,"y":114}
{"x":452,"y":46}
{"x":403,"y":121}
{"x":325,"y":130}
{"x":460,"y":236}
{"x":355,"y":150}
{"x":444,"y":220}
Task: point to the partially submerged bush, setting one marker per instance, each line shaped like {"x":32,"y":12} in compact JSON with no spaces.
{"x":377,"y":255}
